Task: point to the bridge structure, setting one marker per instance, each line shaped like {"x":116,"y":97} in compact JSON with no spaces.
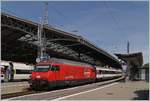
{"x":19,"y":42}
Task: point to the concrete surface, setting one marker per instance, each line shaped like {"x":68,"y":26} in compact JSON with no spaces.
{"x":13,"y":87}
{"x":135,"y":90}
{"x":60,"y":92}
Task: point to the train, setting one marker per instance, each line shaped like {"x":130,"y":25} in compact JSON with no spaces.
{"x":21,"y":71}
{"x":61,"y":72}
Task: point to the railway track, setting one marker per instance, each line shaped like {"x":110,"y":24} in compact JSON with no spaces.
{"x":59,"y":90}
{"x":5,"y":96}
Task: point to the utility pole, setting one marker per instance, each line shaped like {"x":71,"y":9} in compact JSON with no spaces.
{"x":128,"y":47}
{"x":42,"y":34}
{"x":45,"y":23}
{"x":40,"y":30}
{"x":46,"y":14}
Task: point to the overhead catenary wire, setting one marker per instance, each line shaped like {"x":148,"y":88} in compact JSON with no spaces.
{"x":113,"y":18}
{"x":64,"y":17}
{"x":108,"y":9}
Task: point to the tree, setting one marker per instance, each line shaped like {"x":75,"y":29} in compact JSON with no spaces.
{"x":146,"y":65}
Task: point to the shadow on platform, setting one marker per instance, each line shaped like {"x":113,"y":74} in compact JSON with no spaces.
{"x":142,"y":95}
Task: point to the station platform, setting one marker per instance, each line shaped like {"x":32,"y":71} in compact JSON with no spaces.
{"x":13,"y":87}
{"x":131,"y":90}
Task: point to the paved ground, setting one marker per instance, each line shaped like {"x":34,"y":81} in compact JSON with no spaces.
{"x":13,"y":87}
{"x":13,"y":83}
{"x":57,"y":93}
{"x":122,"y":91}
{"x":97,"y":91}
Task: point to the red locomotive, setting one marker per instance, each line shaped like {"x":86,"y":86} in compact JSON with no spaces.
{"x":52,"y":73}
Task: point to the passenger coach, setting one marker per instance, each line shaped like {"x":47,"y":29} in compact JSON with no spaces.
{"x":22,"y":71}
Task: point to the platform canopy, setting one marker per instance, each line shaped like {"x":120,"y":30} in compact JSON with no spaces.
{"x":133,"y":58}
{"x":19,"y":43}
{"x":134,"y":62}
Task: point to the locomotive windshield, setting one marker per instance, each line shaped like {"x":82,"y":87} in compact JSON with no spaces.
{"x":42,"y":68}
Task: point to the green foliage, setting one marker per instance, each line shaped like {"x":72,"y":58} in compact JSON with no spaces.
{"x":146,"y":65}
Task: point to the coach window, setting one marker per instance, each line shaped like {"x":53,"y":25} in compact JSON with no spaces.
{"x":19,"y":71}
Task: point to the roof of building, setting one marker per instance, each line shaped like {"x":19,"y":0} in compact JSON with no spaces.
{"x":133,"y":58}
{"x":19,"y":41}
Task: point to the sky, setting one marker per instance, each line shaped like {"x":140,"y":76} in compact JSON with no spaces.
{"x":107,"y":24}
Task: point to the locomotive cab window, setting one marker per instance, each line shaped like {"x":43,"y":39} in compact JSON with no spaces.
{"x":55,"y":68}
{"x":41,"y":68}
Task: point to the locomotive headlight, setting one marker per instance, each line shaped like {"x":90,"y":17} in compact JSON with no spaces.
{"x":38,"y":76}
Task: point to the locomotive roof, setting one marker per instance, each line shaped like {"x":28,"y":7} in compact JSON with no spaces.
{"x":64,"y":61}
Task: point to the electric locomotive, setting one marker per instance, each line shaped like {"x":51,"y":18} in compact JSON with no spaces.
{"x":49,"y":74}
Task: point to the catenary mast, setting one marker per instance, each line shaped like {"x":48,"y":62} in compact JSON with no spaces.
{"x":42,"y":34}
